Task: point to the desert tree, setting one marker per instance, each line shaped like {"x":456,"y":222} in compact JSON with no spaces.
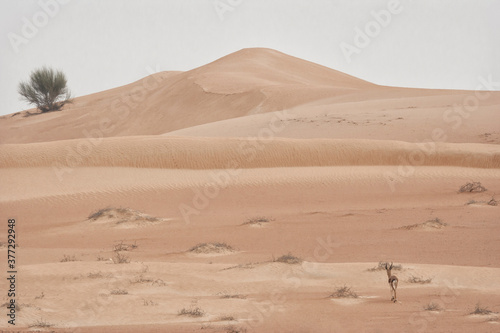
{"x":46,"y":89}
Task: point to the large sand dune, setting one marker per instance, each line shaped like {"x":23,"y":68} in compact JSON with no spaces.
{"x":199,"y":182}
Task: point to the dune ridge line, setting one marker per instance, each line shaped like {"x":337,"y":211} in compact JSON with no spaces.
{"x":223,"y":153}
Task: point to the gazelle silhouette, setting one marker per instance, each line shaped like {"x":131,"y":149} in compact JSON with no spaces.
{"x":393,"y":281}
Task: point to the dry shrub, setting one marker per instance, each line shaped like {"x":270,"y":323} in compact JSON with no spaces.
{"x":194,"y":312}
{"x":473,"y":187}
{"x":289,"y":259}
{"x":344,"y":292}
{"x":211,"y":248}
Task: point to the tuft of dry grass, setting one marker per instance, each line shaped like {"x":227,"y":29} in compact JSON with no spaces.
{"x":124,"y":247}
{"x":473,"y":187}
{"x":381,"y":267}
{"x":119,"y":292}
{"x":40,"y":323}
{"x":97,"y":275}
{"x":67,"y":258}
{"x":194,"y":312}
{"x":432,"y":307}
{"x":122,"y":214}
{"x":121,"y":258}
{"x":226,"y":295}
{"x":344,"y":292}
{"x":258,"y":220}
{"x":493,"y":202}
{"x":480,"y":310}
{"x":289,"y":259}
{"x":142,"y":279}
{"x":435,"y":223}
{"x":419,"y":280}
{"x":233,"y":329}
{"x":211,"y":248}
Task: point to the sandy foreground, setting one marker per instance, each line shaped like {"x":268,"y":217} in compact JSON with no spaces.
{"x":244,"y":195}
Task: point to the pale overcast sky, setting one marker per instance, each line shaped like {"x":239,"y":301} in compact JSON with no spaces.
{"x":101,"y":44}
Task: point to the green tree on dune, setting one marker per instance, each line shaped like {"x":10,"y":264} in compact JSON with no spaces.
{"x":46,"y":89}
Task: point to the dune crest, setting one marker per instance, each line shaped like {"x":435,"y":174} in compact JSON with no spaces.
{"x":217,"y":153}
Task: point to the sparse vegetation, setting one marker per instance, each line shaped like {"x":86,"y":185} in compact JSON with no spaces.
{"x":40,"y":323}
{"x":46,"y":90}
{"x":6,"y":304}
{"x":493,"y":202}
{"x":435,"y":223}
{"x":67,"y":258}
{"x":227,"y":295}
{"x":481,"y":310}
{"x":432,"y":307}
{"x":120,"y":258}
{"x":122,"y":215}
{"x":289,"y":259}
{"x":149,"y":302}
{"x":119,"y":292}
{"x":381,"y":267}
{"x":227,"y":318}
{"x":97,"y":275}
{"x":211,"y":248}
{"x":158,"y":282}
{"x":259,"y":220}
{"x":124,"y":247}
{"x":142,"y":279}
{"x":344,"y":292}
{"x":473,"y":187}
{"x":194,"y":312}
{"x":233,"y":329}
{"x":248,"y":265}
{"x":419,"y":280}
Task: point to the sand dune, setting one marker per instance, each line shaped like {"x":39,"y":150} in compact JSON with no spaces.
{"x":213,"y":153}
{"x":246,"y":82}
{"x":132,"y":205}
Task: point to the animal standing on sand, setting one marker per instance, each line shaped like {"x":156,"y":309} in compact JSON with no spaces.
{"x":393,"y":282}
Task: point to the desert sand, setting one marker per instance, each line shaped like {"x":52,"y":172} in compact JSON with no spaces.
{"x":244,"y":195}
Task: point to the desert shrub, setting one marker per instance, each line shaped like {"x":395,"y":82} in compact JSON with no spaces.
{"x":419,"y":280}
{"x":46,"y":89}
{"x":432,"y":307}
{"x":67,"y":258}
{"x":289,"y":259}
{"x":40,"y":323}
{"x":194,"y":312}
{"x":257,"y":220}
{"x":480,"y":310}
{"x":120,"y":258}
{"x":493,"y":202}
{"x":211,"y":248}
{"x":344,"y":292}
{"x":124,"y":247}
{"x":97,"y":275}
{"x":119,"y":292}
{"x":472,"y":187}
